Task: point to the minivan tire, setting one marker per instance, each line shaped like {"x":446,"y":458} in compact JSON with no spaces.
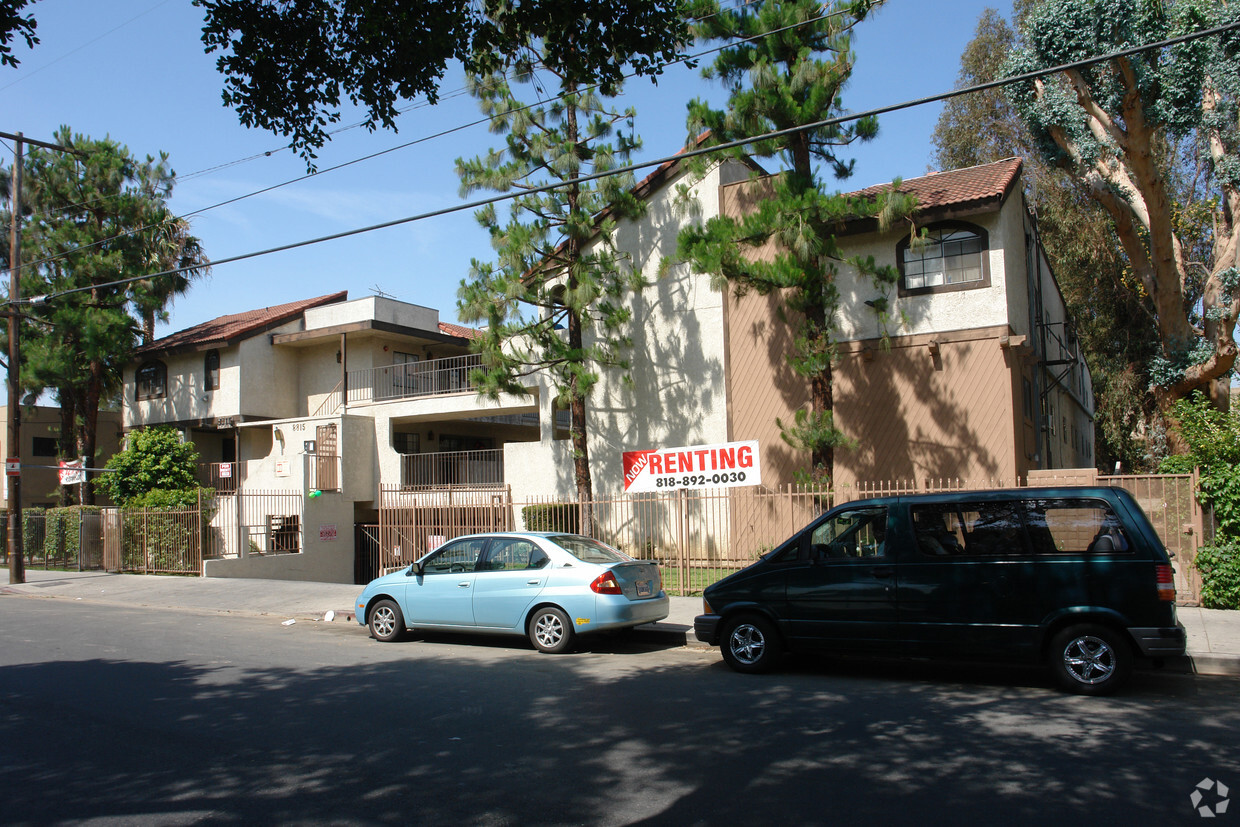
{"x":751,"y":644}
{"x":1089,"y":659}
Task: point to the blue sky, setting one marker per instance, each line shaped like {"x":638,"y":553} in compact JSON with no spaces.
{"x":135,"y":70}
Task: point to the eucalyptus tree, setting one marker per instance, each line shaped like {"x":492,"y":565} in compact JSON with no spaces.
{"x":552,"y":303}
{"x":1119,"y":127}
{"x":1118,"y":336}
{"x":94,"y":222}
{"x":785,"y":65}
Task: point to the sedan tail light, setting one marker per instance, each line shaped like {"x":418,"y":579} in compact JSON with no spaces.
{"x":605,"y":583}
{"x":1166,"y":583}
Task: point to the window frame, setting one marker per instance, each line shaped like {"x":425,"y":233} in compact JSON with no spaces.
{"x":141,"y":394}
{"x":211,"y":375}
{"x":979,"y":284}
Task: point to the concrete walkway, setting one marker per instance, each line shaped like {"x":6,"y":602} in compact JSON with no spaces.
{"x":1213,"y":635}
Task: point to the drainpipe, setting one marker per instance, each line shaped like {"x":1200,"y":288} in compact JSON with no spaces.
{"x":344,"y":373}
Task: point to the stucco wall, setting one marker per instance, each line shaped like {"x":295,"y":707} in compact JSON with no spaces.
{"x":321,"y":560}
{"x":676,"y":396}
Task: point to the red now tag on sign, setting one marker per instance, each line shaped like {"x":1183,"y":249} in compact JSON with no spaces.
{"x":723,"y":465}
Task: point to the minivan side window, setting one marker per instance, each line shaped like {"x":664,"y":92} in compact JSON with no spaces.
{"x":1066,"y":526}
{"x":851,"y":534}
{"x":981,"y":529}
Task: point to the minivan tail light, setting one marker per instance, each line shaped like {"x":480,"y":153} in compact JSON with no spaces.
{"x":1166,"y":583}
{"x":605,"y":583}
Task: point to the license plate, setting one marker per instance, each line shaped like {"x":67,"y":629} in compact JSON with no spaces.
{"x":645,"y":588}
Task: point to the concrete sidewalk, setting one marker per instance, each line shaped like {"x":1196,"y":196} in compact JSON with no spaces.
{"x":1213,"y":635}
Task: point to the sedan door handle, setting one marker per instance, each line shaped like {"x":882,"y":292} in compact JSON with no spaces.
{"x":532,"y":582}
{"x":464,"y":584}
{"x":883,"y":571}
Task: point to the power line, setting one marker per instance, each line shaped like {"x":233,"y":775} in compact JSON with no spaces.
{"x":441,"y":134}
{"x":678,"y":156}
{"x":682,"y":155}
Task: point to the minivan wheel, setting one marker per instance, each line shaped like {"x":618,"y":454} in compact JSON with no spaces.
{"x":750,"y":644}
{"x":1090,"y":659}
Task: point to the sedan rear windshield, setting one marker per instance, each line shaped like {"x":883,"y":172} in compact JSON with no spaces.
{"x":588,"y":550}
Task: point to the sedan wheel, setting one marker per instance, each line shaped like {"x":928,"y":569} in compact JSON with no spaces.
{"x":386,"y":622}
{"x":551,"y":631}
{"x":751,"y":644}
{"x":1090,"y":660}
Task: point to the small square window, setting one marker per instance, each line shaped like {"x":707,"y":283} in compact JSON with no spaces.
{"x":46,"y":446}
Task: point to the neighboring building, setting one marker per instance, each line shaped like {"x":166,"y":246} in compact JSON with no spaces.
{"x":369,"y":401}
{"x":40,"y":453}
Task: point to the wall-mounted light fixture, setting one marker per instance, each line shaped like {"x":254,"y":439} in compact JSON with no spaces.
{"x":279,"y":435}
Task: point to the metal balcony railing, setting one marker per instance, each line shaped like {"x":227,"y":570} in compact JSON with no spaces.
{"x":453,"y":469}
{"x":434,"y":377}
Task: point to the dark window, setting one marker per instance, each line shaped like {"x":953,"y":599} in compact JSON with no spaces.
{"x":1074,"y":526}
{"x":46,"y":446}
{"x":851,"y":534}
{"x":406,"y":443}
{"x":151,"y":381}
{"x":969,"y":529}
{"x":949,"y":256}
{"x":211,"y":370}
{"x":457,"y":557}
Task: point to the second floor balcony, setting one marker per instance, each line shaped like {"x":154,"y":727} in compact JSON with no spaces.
{"x":453,"y":469}
{"x":433,"y":377}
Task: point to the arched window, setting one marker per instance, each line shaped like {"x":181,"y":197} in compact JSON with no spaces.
{"x":211,"y":370}
{"x":952,"y":255}
{"x":151,"y":381}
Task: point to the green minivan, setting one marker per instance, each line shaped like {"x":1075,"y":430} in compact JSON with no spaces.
{"x":1074,"y":577}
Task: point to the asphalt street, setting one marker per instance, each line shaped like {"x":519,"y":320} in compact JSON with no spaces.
{"x":161,"y":716}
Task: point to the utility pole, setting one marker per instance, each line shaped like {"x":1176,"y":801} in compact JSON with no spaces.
{"x":17,"y":557}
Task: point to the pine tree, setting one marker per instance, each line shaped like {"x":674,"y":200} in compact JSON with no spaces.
{"x":93,"y":222}
{"x":785,"y":70}
{"x":552,"y":301}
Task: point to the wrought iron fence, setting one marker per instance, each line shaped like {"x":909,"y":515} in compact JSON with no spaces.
{"x":224,"y":477}
{"x":69,"y":539}
{"x":700,"y":536}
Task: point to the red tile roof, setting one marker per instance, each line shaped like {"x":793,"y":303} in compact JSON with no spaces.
{"x":958,"y":187}
{"x":458,"y":330}
{"x":236,"y":326}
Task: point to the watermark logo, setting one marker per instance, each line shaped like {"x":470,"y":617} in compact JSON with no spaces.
{"x":1210,"y":798}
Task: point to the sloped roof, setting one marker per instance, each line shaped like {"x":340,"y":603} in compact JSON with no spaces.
{"x":458,"y":330}
{"x":958,"y":188}
{"x":228,"y":329}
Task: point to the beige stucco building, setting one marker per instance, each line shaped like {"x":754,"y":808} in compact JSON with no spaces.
{"x":345,"y":402}
{"x":40,"y":452}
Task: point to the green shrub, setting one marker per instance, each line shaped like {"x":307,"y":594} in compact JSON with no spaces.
{"x":1220,"y":575}
{"x":564,"y":517}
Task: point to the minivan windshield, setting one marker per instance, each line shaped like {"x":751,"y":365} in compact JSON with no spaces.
{"x":588,"y":550}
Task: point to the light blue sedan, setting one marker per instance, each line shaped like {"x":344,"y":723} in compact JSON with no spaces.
{"x":549,"y":587}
